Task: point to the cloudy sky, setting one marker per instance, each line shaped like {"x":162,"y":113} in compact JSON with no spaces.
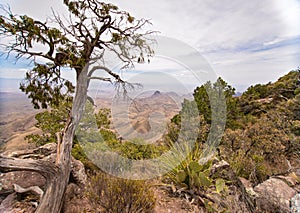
{"x":245,"y":42}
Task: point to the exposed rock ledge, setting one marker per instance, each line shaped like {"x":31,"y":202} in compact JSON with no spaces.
{"x":31,"y":184}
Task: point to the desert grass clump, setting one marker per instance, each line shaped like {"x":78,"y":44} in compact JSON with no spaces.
{"x":117,"y":195}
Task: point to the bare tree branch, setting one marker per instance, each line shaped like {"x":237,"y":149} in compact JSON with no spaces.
{"x":100,"y":78}
{"x":92,"y":29}
{"x":15,"y":164}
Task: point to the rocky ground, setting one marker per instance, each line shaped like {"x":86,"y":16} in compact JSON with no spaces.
{"x":20,"y":191}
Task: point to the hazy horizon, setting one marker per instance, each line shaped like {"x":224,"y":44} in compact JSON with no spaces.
{"x":245,"y":43}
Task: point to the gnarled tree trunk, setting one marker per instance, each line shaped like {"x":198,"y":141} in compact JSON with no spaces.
{"x":57,"y":175}
{"x":53,"y":198}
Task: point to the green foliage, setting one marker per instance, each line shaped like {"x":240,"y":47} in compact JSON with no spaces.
{"x":220,"y":185}
{"x":120,"y":195}
{"x":256,"y":92}
{"x":188,"y":173}
{"x":261,"y":149}
{"x":215,"y":95}
{"x":94,"y":130}
{"x":172,"y":133}
{"x":195,"y":166}
{"x":76,"y":43}
{"x":286,"y":85}
{"x":45,"y":86}
{"x":260,"y":98}
{"x":262,"y":132}
{"x":110,"y":137}
{"x":50,"y":122}
{"x":137,"y":151}
{"x":296,"y":127}
{"x":202,"y":99}
{"x":103,"y":118}
{"x":53,"y":42}
{"x":192,"y":119}
{"x":269,"y":136}
{"x":189,"y":115}
{"x":79,"y":154}
{"x":253,"y":167}
{"x":294,"y":108}
{"x":193,"y":175}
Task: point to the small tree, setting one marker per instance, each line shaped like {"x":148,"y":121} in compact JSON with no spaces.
{"x":217,"y":90}
{"x":79,"y":43}
{"x":51,"y":123}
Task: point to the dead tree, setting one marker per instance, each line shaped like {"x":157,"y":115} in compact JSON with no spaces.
{"x":79,"y":42}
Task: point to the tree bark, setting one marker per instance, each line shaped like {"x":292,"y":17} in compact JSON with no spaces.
{"x":53,"y":197}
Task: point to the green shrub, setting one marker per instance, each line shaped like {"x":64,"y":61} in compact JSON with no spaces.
{"x":135,"y":149}
{"x":50,"y":122}
{"x":139,"y":151}
{"x":79,"y":154}
{"x":186,"y":170}
{"x":117,"y":195}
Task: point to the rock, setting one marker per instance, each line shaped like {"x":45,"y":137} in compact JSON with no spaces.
{"x":11,"y":204}
{"x":297,"y":172}
{"x":8,"y":202}
{"x":19,"y":181}
{"x":46,"y":149}
{"x":36,"y":153}
{"x":78,"y":172}
{"x":237,"y":198}
{"x":72,"y":191}
{"x":73,"y":197}
{"x":79,"y":205}
{"x":25,"y":179}
{"x":274,"y":194}
{"x":248,"y":186}
{"x":223,"y":170}
{"x":291,"y":179}
{"x":295,"y":204}
{"x":219,"y":167}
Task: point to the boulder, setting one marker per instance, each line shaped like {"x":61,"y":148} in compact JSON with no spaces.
{"x":292,"y":180}
{"x":8,"y":203}
{"x":24,"y":179}
{"x":274,"y":195}
{"x":295,"y":204}
{"x":238,"y":199}
{"x":72,"y":191}
{"x":37,"y":153}
{"x":73,"y":197}
{"x":248,"y":186}
{"x":32,"y":183}
{"x":222,"y":169}
{"x":78,"y":172}
{"x":46,"y":149}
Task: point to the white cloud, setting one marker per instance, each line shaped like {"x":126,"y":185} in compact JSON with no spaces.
{"x":227,"y":33}
{"x":231,"y":33}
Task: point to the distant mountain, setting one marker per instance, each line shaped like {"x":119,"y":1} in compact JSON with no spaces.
{"x":156,"y":93}
{"x":146,"y":116}
{"x":238,"y":94}
{"x":16,"y":115}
